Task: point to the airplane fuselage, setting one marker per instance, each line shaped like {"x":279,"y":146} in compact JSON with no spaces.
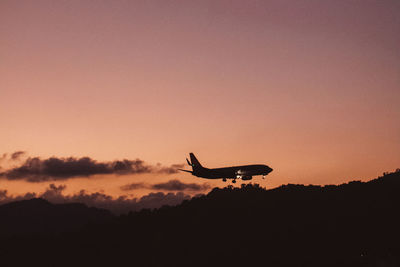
{"x":232,"y":172}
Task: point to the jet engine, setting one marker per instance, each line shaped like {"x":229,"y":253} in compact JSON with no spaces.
{"x":247,"y":177}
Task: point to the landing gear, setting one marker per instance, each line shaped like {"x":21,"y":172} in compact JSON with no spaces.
{"x":223,"y":179}
{"x":263,"y":176}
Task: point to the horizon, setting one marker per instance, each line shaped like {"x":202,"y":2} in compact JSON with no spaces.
{"x":119,"y":206}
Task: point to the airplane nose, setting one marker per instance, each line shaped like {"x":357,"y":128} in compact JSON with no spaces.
{"x":270,"y":169}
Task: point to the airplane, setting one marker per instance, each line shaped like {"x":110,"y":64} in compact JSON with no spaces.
{"x":245,"y":172}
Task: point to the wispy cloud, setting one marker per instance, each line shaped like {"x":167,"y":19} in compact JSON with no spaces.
{"x":134,"y":186}
{"x":171,"y":185}
{"x":17,"y":155}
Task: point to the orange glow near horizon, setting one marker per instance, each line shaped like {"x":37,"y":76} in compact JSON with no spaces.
{"x":311,"y":89}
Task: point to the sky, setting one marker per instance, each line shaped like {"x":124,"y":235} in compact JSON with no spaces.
{"x":310,"y":88}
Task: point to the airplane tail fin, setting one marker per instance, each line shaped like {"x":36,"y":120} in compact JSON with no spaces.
{"x":194,"y":161}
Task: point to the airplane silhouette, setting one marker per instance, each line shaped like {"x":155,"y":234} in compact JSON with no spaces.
{"x":245,"y":172}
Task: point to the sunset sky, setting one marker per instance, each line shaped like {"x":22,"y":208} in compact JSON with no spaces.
{"x":310,"y":88}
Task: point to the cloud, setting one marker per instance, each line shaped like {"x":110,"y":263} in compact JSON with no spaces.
{"x":17,"y":155}
{"x":2,"y":158}
{"x":35,"y":169}
{"x":133,"y":186}
{"x":170,"y":170}
{"x":123,"y":204}
{"x":3,"y":194}
{"x":176,"y":185}
{"x":171,"y":185}
{"x":5,"y":198}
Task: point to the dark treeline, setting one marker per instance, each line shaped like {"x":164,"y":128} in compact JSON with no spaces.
{"x":353,"y":224}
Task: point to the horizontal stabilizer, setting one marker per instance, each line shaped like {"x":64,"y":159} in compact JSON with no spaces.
{"x":185,"y":170}
{"x":188,"y":162}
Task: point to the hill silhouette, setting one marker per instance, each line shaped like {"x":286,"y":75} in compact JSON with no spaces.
{"x":38,"y":216}
{"x":353,"y":224}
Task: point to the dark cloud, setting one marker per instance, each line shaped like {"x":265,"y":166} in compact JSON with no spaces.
{"x":133,"y":186}
{"x":52,"y":169}
{"x":122,"y":204}
{"x":176,"y":185}
{"x":17,"y":155}
{"x":171,"y":185}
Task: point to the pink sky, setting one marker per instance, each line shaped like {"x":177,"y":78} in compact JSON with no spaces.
{"x":311,"y":88}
